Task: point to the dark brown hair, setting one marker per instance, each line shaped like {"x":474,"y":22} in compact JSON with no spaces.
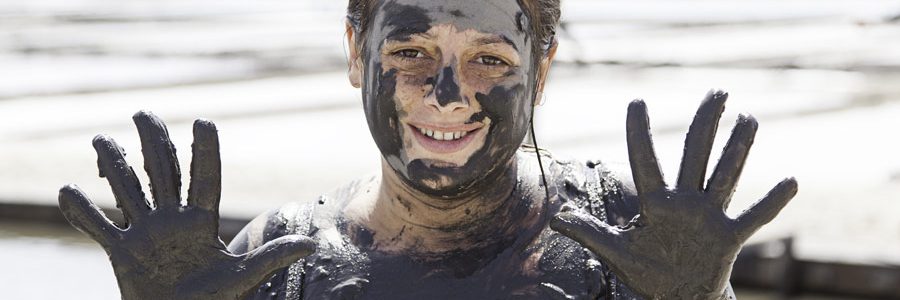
{"x":543,"y":16}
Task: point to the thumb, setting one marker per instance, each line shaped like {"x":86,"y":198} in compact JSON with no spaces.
{"x":275,"y":255}
{"x":603,"y":239}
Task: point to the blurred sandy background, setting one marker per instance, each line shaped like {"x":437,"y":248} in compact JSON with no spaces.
{"x":822,"y":77}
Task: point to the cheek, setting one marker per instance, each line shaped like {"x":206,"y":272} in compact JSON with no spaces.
{"x":475,"y":79}
{"x":410,"y":91}
{"x":505,"y":99}
{"x":514,"y":111}
{"x":476,"y":89}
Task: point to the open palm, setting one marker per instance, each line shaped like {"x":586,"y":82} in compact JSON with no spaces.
{"x":167,"y":250}
{"x":682,"y":244}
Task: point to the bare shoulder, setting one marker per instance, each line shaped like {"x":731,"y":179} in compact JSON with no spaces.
{"x":299,"y":217}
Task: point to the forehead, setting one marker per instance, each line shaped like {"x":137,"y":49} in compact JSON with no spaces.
{"x":406,"y":17}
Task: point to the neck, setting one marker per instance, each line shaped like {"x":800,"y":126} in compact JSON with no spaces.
{"x":407,"y":220}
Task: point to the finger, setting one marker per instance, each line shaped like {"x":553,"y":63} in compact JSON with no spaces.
{"x":728,"y":170}
{"x":273,"y":256}
{"x":160,"y":161}
{"x":699,"y":141}
{"x":124,"y":183}
{"x":763,"y":211}
{"x":86,"y":216}
{"x":206,"y":167}
{"x":601,"y":238}
{"x":647,"y":176}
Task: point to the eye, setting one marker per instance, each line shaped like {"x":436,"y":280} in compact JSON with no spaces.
{"x":490,"y":60}
{"x":409,"y":53}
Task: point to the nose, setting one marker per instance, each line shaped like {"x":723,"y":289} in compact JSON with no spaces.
{"x":445,"y":94}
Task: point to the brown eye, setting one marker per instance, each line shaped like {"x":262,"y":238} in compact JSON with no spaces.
{"x":490,"y":60}
{"x":409,"y":53}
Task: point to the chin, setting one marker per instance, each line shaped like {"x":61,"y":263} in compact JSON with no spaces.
{"x":440,"y":179}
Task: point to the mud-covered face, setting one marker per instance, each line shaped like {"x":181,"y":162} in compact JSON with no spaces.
{"x":448,"y":89}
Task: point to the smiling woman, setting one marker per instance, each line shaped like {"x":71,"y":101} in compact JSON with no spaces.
{"x":429,"y":72}
{"x":461,"y":209}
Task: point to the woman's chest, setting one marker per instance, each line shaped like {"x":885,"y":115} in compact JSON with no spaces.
{"x":550,"y":267}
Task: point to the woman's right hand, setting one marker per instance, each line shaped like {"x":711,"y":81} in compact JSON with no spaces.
{"x":170,"y":250}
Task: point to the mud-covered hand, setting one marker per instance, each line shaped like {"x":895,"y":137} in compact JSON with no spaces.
{"x":169,"y":250}
{"x":682,"y":245}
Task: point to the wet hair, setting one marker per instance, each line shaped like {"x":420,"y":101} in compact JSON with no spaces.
{"x":543,"y":14}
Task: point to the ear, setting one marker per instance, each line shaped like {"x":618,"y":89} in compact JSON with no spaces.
{"x":543,"y":70}
{"x":353,"y":61}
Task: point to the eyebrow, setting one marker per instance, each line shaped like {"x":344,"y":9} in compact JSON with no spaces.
{"x":404,"y":34}
{"x":496,"y":39}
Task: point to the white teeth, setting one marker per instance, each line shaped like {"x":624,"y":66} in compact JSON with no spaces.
{"x":442,"y":136}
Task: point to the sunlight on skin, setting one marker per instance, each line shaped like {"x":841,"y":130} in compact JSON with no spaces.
{"x":479,"y":60}
{"x":472,"y":80}
{"x":461,"y":68}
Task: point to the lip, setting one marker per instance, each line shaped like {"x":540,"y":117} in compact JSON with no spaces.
{"x":444,"y":146}
{"x":459,"y":127}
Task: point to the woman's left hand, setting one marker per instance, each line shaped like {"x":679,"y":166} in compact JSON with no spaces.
{"x":682,"y":244}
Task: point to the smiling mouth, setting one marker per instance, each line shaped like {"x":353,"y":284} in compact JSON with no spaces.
{"x":443,"y":141}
